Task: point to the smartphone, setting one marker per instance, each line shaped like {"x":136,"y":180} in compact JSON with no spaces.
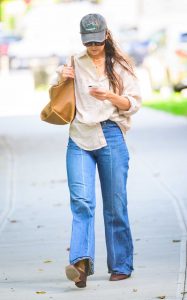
{"x":93,"y":87}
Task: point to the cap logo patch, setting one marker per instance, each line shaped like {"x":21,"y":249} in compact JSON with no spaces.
{"x":91,"y":27}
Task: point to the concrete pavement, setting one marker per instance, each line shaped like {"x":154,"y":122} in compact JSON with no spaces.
{"x":36,"y":223}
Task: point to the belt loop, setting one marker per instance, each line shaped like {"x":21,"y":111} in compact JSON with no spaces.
{"x":103,"y":123}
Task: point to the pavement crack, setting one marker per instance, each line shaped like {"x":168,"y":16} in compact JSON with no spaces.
{"x":11,"y":182}
{"x":185,"y":283}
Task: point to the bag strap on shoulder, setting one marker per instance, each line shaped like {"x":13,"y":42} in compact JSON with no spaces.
{"x":72,"y":61}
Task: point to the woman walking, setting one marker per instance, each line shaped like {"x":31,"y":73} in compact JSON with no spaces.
{"x":107,"y":94}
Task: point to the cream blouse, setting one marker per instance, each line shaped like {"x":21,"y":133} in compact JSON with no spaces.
{"x":86,"y":130}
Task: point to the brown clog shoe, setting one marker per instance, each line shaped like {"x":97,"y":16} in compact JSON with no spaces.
{"x":73,"y":273}
{"x":116,"y":277}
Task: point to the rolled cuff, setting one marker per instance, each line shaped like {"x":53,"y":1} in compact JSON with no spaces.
{"x":134,"y":105}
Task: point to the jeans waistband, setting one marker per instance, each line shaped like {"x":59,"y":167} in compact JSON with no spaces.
{"x":107,"y":122}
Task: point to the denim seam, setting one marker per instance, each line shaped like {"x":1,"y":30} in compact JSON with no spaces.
{"x":112,"y":197}
{"x":83,"y":179}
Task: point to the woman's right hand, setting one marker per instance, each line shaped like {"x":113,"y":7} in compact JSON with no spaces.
{"x":65,"y":72}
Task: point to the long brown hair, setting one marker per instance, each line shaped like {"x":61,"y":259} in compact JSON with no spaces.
{"x":114,"y":55}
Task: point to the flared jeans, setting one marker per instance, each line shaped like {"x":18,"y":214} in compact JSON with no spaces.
{"x":113,"y":163}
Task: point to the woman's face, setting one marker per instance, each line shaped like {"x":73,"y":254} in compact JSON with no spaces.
{"x":95,"y":50}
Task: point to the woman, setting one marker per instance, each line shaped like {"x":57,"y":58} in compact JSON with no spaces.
{"x":107,"y":94}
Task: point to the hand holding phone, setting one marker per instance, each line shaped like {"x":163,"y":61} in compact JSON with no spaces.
{"x":97,"y":92}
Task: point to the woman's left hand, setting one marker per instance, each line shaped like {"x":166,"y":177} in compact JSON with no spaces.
{"x":99,"y":93}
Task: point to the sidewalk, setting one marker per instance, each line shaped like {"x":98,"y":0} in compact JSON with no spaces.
{"x":159,"y":143}
{"x":35,"y":237}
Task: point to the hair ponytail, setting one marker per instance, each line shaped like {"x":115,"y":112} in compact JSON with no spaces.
{"x":112,"y":55}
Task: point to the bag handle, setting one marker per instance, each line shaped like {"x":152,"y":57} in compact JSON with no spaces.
{"x":72,"y":61}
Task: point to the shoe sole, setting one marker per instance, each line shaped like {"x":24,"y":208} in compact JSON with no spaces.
{"x":117,"y":279}
{"x":72,"y":273}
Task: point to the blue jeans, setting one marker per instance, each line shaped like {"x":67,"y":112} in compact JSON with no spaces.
{"x":112,"y":163}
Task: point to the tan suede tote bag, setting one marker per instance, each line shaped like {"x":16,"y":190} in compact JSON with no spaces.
{"x":61,"y":108}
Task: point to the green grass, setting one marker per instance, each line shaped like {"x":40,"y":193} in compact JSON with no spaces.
{"x":175,"y":103}
{"x":42,"y":87}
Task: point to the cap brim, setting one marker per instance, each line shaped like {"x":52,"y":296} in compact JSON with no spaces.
{"x":93,"y":37}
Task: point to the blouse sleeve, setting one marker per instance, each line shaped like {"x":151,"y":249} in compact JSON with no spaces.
{"x":131,"y":91}
{"x":56,"y":78}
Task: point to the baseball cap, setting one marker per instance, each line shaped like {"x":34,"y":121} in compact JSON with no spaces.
{"x":93,"y":28}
